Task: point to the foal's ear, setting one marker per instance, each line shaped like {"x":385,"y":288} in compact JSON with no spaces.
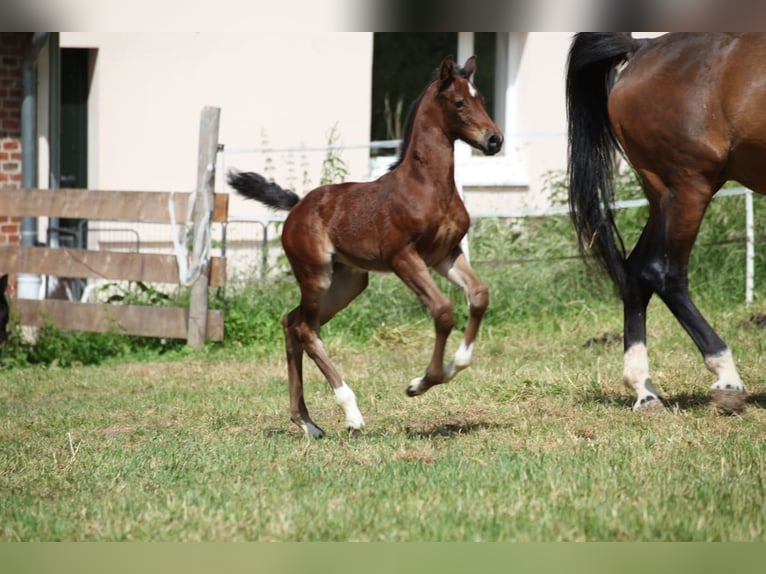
{"x":469,"y":68}
{"x":446,"y":72}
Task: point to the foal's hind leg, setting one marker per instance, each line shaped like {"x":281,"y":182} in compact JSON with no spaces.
{"x":299,"y":414}
{"x":346,"y":284}
{"x":318,"y":305}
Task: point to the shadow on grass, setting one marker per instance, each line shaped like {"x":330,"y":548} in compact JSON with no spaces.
{"x":702,"y":400}
{"x":452,"y":429}
{"x":757,"y":400}
{"x":682,"y":401}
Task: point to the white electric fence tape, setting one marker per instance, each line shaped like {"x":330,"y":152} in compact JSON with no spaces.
{"x":190,"y":268}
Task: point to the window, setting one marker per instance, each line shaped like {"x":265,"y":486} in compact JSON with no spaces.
{"x":404,"y":62}
{"x":402,"y":65}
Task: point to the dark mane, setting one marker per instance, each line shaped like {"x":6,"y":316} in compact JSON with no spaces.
{"x":408,"y":129}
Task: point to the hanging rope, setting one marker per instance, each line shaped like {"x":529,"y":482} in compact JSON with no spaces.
{"x":190,"y":268}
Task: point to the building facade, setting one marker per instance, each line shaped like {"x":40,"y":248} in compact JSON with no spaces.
{"x":127,"y":108}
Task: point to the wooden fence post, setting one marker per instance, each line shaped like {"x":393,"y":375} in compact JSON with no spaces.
{"x":208,"y":148}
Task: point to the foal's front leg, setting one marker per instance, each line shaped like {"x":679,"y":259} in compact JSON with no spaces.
{"x":411,"y":269}
{"x":458,"y":271}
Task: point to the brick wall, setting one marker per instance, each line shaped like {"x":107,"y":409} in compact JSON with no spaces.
{"x":11,"y":52}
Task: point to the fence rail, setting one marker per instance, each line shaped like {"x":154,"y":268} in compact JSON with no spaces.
{"x":749,"y":238}
{"x":106,"y":265}
{"x":195,"y":323}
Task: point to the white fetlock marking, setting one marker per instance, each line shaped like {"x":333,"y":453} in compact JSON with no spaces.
{"x":461,"y":361}
{"x":635,"y":376}
{"x":414,"y":386}
{"x":722,"y":366}
{"x":346,"y":398}
{"x":635,"y":367}
{"x":463,"y":355}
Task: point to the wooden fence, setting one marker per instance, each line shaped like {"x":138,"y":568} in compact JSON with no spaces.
{"x":194,"y":324}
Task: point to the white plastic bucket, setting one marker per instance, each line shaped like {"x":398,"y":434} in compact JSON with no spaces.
{"x":28,"y":286}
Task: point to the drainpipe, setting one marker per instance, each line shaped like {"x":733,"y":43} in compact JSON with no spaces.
{"x":29,"y":285}
{"x":54,"y":131}
{"x":29,"y":130}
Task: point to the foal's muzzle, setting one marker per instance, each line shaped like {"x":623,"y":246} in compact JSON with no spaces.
{"x":492,"y":143}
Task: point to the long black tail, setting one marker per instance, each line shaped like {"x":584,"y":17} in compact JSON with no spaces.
{"x":255,"y":186}
{"x":593,"y":58}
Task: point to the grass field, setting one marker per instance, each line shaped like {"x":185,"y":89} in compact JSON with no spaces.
{"x":535,"y":442}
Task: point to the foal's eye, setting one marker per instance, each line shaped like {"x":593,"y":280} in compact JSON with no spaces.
{"x":459,"y":104}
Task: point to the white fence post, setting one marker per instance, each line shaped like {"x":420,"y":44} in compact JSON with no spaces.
{"x":750,"y":247}
{"x":462,"y":154}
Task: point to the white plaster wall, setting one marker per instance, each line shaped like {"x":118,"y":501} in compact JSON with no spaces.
{"x":148,"y":90}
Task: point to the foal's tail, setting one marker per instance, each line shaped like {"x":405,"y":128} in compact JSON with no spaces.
{"x":593,"y":58}
{"x":254,"y":186}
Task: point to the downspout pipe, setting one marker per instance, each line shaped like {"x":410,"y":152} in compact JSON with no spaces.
{"x":29,"y":130}
{"x":28,"y":285}
{"x":54,"y":138}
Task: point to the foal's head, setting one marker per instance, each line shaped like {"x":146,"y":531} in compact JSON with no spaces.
{"x":462,"y":105}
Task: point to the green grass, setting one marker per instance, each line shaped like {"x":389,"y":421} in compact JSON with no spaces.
{"x":536,"y":442}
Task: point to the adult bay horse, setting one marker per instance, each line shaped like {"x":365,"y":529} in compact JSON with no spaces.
{"x":687,"y":111}
{"x":408,"y":221}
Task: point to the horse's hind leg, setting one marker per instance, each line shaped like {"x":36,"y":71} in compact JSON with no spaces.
{"x":728,"y":391}
{"x":638,"y":292}
{"x":665,"y":258}
{"x":458,"y":271}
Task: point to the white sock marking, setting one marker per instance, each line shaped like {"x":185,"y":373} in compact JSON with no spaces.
{"x":463,"y":355}
{"x":346,"y":398}
{"x":635,"y":375}
{"x":722,"y":366}
{"x":635,"y":367}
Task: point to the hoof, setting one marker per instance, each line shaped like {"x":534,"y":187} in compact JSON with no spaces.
{"x":649,"y":404}
{"x":728,"y":402}
{"x":415,"y":387}
{"x":310,"y":429}
{"x":355,"y":427}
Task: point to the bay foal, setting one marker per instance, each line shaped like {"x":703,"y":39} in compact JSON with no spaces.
{"x":408,"y":221}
